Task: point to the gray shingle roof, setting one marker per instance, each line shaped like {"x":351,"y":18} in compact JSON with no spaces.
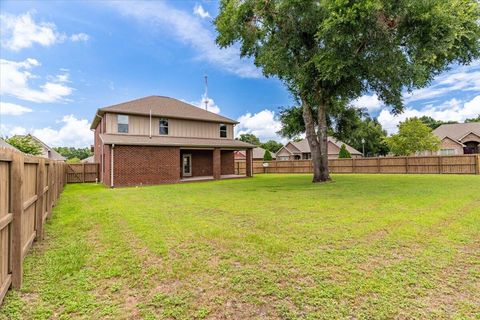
{"x":47,"y":151}
{"x":173,"y":141}
{"x":4,"y":144}
{"x":304,"y":147}
{"x":162,"y":107}
{"x":457,"y":131}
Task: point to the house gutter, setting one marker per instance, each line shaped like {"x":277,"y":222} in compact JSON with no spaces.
{"x":111,"y":166}
{"x":103,"y":149}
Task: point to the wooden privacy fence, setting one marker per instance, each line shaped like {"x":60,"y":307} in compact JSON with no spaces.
{"x":462,"y":164}
{"x":29,"y":188}
{"x":82,"y":172}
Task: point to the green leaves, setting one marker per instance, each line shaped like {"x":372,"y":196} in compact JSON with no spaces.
{"x":413,"y":136}
{"x":343,"y":153}
{"x":25,"y":144}
{"x":342,"y":49}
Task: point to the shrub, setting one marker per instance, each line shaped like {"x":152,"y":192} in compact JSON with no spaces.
{"x":267,"y":156}
{"x":344,"y":152}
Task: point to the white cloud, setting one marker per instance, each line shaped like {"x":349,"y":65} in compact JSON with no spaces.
{"x":73,"y":132}
{"x":452,"y":110}
{"x":12,"y":109}
{"x":8,"y":131}
{"x":22,"y":31}
{"x":199,"y":11}
{"x":190,"y":30}
{"x":262,"y":124}
{"x":15,"y":77}
{"x":211,"y":106}
{"x":371,"y":103}
{"x":80,"y":37}
{"x":461,"y":79}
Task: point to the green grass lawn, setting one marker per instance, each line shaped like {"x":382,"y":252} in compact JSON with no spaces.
{"x":271,"y":247}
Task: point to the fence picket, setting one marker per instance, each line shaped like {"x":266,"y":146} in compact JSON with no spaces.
{"x":28,"y":186}
{"x":461,"y":164}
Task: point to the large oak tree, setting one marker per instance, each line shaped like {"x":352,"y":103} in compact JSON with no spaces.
{"x":328,"y":52}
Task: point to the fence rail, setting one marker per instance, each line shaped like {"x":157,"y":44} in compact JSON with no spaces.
{"x":29,"y":188}
{"x":462,"y":164}
{"x":82,"y":172}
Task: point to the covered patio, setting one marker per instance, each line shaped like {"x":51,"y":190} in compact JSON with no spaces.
{"x":199,"y":164}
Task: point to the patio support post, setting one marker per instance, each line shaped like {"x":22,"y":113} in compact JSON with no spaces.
{"x":217,"y":165}
{"x":249,"y":164}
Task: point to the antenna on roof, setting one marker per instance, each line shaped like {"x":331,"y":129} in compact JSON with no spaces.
{"x":205,"y":96}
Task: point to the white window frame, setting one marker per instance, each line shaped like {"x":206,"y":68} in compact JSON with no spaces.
{"x":223,"y":130}
{"x":160,"y":126}
{"x":187,"y":174}
{"x":447,"y":152}
{"x":122,"y":116}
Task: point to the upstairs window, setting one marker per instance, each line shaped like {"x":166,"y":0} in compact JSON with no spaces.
{"x":163,"y":127}
{"x":223,"y":130}
{"x":122,"y":121}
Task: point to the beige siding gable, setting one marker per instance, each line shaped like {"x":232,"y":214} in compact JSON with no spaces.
{"x":283,"y":152}
{"x":140,"y":125}
{"x":471,"y":137}
{"x":332,"y":148}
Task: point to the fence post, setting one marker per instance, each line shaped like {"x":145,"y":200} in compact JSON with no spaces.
{"x":16,"y":196}
{"x":50,"y":189}
{"x":39,"y":204}
{"x":378,"y":165}
{"x":406,"y":165}
{"x":83,"y":170}
{"x":353,"y":165}
{"x":478,"y":163}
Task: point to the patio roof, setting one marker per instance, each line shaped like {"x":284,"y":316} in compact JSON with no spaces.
{"x":120,"y":139}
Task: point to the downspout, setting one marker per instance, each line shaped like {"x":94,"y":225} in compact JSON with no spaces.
{"x":102,"y":154}
{"x":111,"y":165}
{"x":150,"y":135}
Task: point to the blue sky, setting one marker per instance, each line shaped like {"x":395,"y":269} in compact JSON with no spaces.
{"x":63,"y":60}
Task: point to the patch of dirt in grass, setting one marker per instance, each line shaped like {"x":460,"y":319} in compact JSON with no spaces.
{"x":386,"y":258}
{"x":457,"y":287}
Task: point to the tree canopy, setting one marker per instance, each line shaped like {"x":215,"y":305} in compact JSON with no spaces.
{"x":271,"y":145}
{"x":330,"y":52}
{"x":25,"y":144}
{"x":249,"y":138}
{"x":413,"y":136}
{"x":432,"y":123}
{"x":71,"y":152}
{"x":477,"y":119}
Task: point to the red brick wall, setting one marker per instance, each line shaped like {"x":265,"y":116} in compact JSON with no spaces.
{"x":106,"y":171}
{"x":202,"y":164}
{"x":142,"y":165}
{"x":97,"y":145}
{"x":228,"y":162}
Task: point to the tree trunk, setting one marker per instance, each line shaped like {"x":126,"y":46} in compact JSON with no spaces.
{"x":312,"y":140}
{"x":323,"y":142}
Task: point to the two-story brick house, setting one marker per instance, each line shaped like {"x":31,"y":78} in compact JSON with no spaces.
{"x":157,"y":139}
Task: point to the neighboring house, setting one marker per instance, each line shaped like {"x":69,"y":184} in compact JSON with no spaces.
{"x":300,"y":150}
{"x":258,"y":154}
{"x":458,"y":138}
{"x":158,"y":139}
{"x":4,"y":144}
{"x":46,"y":151}
{"x":90,"y":159}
